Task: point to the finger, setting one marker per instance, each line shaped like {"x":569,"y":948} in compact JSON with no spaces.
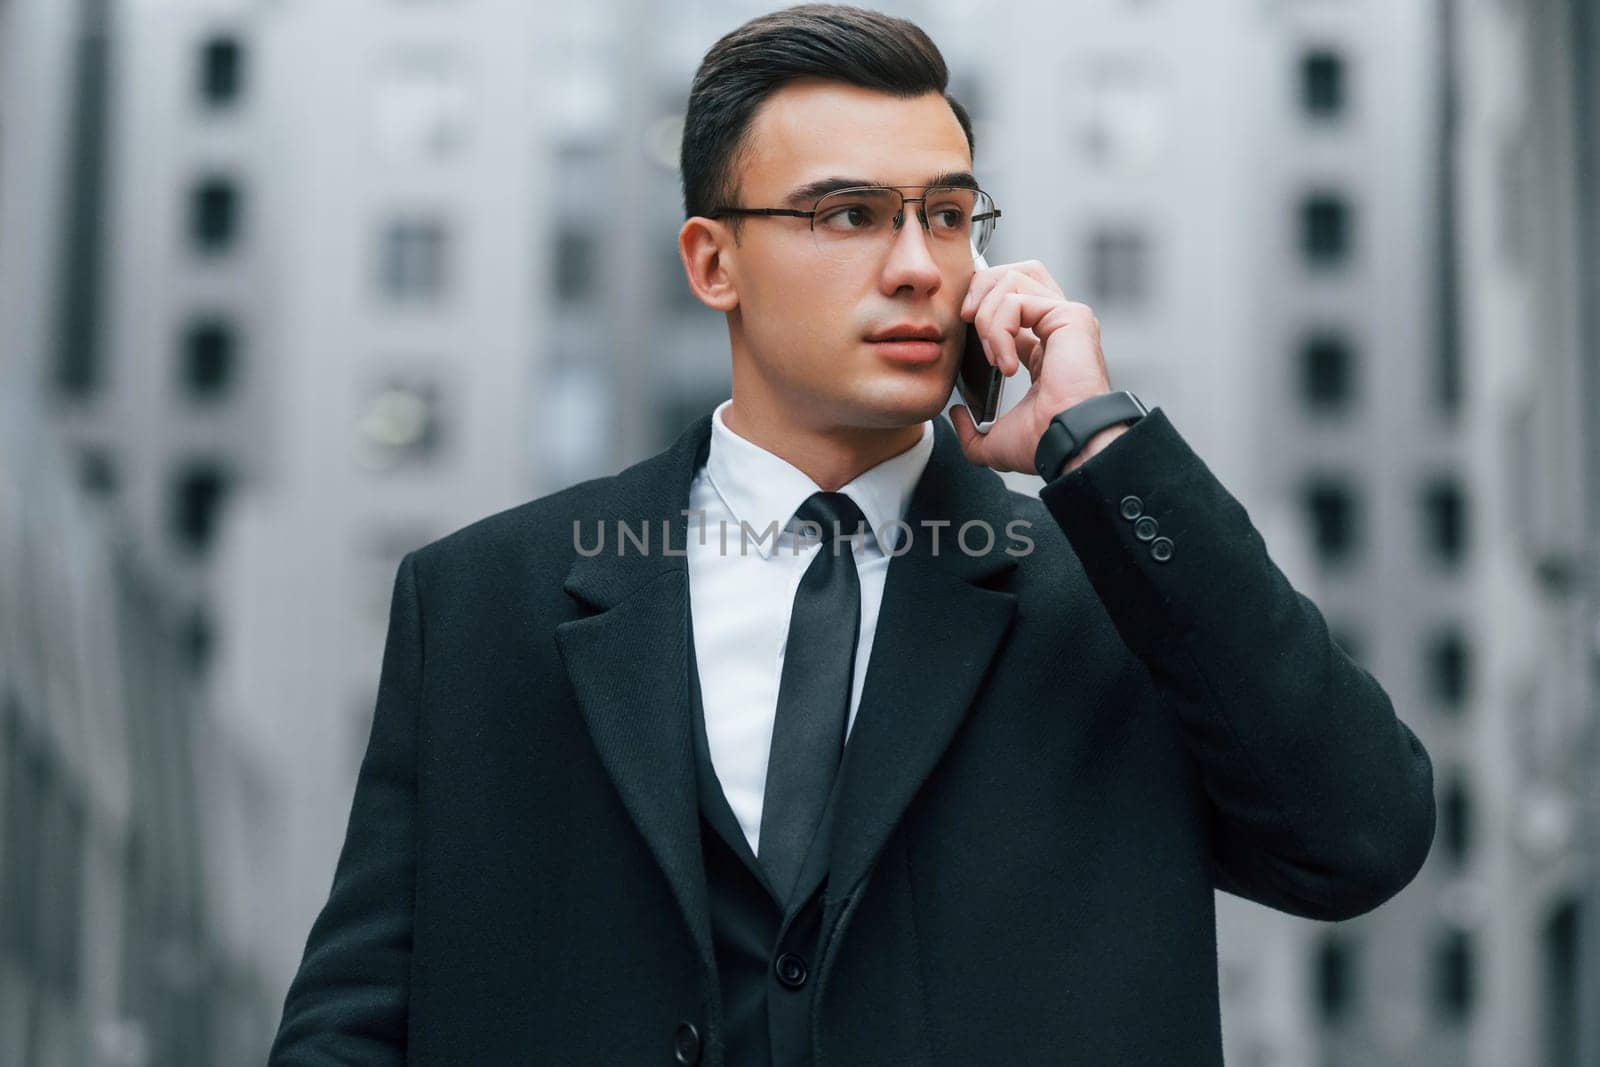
{"x":1042,"y":315}
{"x":972,"y":442}
{"x":1029,"y":348}
{"x":1011,"y":282}
{"x":1003,"y":278}
{"x":998,"y":280}
{"x":1016,"y":314}
{"x":1039,"y":273}
{"x":1005,"y":321}
{"x":982,"y":281}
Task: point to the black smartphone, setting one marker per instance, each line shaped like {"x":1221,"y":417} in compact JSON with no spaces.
{"x":980,"y":382}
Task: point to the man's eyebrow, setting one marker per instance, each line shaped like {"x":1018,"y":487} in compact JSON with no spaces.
{"x":809,"y":193}
{"x":961,"y":179}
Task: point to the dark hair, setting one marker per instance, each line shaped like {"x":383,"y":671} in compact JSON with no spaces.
{"x":864,"y":48}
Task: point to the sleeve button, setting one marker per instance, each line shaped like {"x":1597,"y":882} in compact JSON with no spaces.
{"x":686,"y":1044}
{"x":1161,"y":549}
{"x":1145,"y":529}
{"x":1132,"y":507}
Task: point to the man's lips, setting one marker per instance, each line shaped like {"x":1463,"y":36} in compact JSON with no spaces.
{"x":909,"y":331}
{"x":908,"y":351}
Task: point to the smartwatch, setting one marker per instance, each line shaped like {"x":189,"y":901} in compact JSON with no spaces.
{"x":1069,"y":431}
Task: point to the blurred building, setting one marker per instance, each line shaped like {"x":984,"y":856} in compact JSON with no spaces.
{"x":1296,"y":224}
{"x":405,"y":214}
{"x":1342,"y":175}
{"x":1136,"y":163}
{"x":296,"y":287}
{"x":113,"y":949}
{"x":1422,"y":396}
{"x":1523,"y":140}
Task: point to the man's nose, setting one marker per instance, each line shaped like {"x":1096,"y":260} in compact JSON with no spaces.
{"x":911,"y":261}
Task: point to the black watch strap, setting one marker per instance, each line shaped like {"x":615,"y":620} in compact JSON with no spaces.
{"x":1069,"y":431}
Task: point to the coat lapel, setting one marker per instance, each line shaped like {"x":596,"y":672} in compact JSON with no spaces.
{"x":628,"y":665}
{"x":943,"y":616}
{"x":942,"y":619}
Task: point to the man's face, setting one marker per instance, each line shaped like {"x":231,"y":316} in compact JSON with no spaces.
{"x":804,"y":317}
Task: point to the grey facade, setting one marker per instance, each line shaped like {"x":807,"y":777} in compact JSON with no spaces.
{"x":291,"y":288}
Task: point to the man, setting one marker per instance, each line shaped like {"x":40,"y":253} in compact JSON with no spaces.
{"x":604,"y":817}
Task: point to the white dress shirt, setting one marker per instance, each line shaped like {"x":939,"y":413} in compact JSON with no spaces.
{"x":742,"y":586}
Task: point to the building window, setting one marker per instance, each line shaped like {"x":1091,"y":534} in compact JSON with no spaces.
{"x":198,"y":494}
{"x":1333,"y":514}
{"x":214,"y":215}
{"x":1118,"y":268}
{"x":422,"y":105}
{"x":1334,"y":977}
{"x":88,"y":87}
{"x":1444,"y":520}
{"x":1455,"y":821}
{"x":1125,"y":109}
{"x":1327,"y":373}
{"x":221,"y":71}
{"x":24,"y":788}
{"x":97,"y":472}
{"x":196,"y":640}
{"x":581,"y":416}
{"x":1561,"y":952}
{"x":577,"y":254}
{"x":663,"y":139}
{"x":208,"y":359}
{"x":1325,"y":230}
{"x":400,"y":424}
{"x":1454,"y":975}
{"x":1449,"y":667}
{"x":60,"y":937}
{"x":1322,"y":83}
{"x":415,"y":260}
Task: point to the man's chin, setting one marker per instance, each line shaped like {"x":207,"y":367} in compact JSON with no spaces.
{"x":896,"y":407}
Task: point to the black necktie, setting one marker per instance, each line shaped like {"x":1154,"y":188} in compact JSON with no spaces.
{"x":813,"y":693}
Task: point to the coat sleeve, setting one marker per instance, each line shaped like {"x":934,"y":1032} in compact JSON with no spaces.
{"x":1323,"y":799}
{"x":348,"y":1001}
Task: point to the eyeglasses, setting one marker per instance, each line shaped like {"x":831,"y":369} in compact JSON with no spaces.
{"x":860,"y":221}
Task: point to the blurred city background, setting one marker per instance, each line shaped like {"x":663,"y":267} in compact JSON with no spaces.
{"x":292,"y":287}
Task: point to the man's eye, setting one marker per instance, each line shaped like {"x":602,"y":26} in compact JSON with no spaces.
{"x":848,"y":217}
{"x":948,"y":218}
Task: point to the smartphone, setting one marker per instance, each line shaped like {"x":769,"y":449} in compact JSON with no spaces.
{"x":980,"y":383}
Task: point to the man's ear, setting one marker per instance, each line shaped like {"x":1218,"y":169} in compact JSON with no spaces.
{"x":705,"y":246}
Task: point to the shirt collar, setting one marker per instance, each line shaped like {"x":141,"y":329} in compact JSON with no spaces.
{"x":760,"y":487}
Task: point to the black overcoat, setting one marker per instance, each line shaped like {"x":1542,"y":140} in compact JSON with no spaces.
{"x":1062,"y":749}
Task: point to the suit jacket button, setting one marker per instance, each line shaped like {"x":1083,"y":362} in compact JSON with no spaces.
{"x":791,"y":970}
{"x":1145,"y":529}
{"x":1132,"y":507}
{"x":1161,"y":549}
{"x":686,"y":1044}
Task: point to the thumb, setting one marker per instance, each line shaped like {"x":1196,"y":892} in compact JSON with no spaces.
{"x":972,"y":442}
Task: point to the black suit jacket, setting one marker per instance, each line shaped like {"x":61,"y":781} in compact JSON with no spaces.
{"x":1059,"y":754}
